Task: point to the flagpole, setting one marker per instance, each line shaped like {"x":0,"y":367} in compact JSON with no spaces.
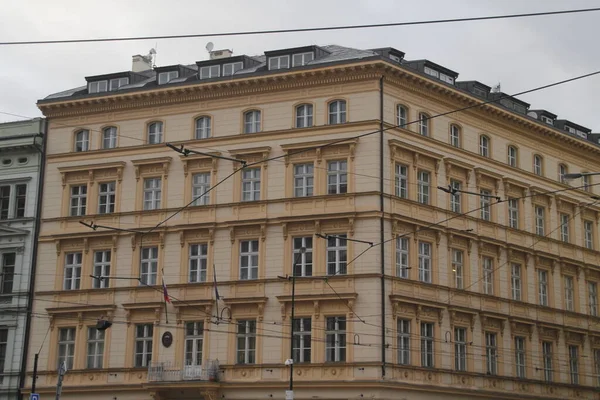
{"x":216,"y":292}
{"x":165,"y":296}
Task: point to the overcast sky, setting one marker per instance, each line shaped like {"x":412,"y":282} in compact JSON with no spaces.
{"x":519,"y":53}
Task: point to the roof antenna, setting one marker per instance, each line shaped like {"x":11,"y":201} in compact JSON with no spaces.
{"x":496,"y":89}
{"x":153,"y":55}
{"x":209,"y":47}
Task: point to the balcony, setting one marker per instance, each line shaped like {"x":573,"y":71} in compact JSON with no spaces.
{"x":171,"y":372}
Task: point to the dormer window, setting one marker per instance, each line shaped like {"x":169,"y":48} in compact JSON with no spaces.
{"x":166,"y":77}
{"x":431,"y":72}
{"x":212,"y":71}
{"x":446,"y":78}
{"x":98,"y":86}
{"x":231,"y":68}
{"x":301,"y":59}
{"x":116,"y":83}
{"x":395,"y":58}
{"x":479,"y":92}
{"x":279,"y":62}
{"x":547,"y":120}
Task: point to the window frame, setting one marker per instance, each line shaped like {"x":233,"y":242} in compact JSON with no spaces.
{"x":516,"y":281}
{"x":147,"y":341}
{"x":16,"y":204}
{"x":251,"y":182}
{"x":201,"y":187}
{"x":96,"y":341}
{"x":455,"y":136}
{"x":340,"y":173}
{"x":155,"y":192}
{"x":547,"y":360}
{"x":7,"y":278}
{"x":202,"y":127}
{"x":456,"y":198}
{"x":206,"y":72}
{"x":425,"y":261}
{"x":66,"y":346}
{"x":569,"y":285}
{"x":520,"y":357}
{"x":306,"y":178}
{"x":484,"y":146}
{"x":402,"y":257}
{"x":513,"y":213}
{"x":565,"y":222}
{"x":424,"y":187}
{"x":538,"y":169}
{"x":512,"y":159}
{"x":303,"y":116}
{"x":80,"y":208}
{"x":424,"y":126}
{"x":460,"y":349}
{"x":337,"y":334}
{"x":149,"y":260}
{"x":305,"y":264}
{"x":337,"y":112}
{"x":155,"y":132}
{"x":107,"y":198}
{"x":72,"y":280}
{"x":540,"y":220}
{"x":458,"y":270}
{"x":491,"y":352}
{"x":401,"y":119}
{"x":485,"y":204}
{"x":279,"y":59}
{"x":562,"y":171}
{"x":109,"y":137}
{"x":401,"y":180}
{"x":81,"y":142}
{"x":403,"y":339}
{"x":592,"y":298}
{"x":250,"y":255}
{"x":302,"y":340}
{"x":195,"y":338}
{"x":487,"y":272}
{"x":101,"y":267}
{"x":197,"y":262}
{"x":303,"y":56}
{"x":573,"y":351}
{"x":252,"y":121}
{"x":543,"y":287}
{"x":168,"y":75}
{"x":427,"y":334}
{"x":588,"y":234}
{"x":246,"y":330}
{"x":337,"y":246}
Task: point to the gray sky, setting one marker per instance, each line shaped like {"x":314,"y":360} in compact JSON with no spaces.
{"x":519,"y":53}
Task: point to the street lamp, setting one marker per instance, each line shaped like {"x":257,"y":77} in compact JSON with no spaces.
{"x":289,"y":394}
{"x":580,"y":175}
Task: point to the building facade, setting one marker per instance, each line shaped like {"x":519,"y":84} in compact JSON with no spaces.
{"x":21,"y":147}
{"x":437,"y":256}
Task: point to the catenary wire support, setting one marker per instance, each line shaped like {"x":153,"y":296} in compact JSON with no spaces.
{"x":344,"y":238}
{"x":95,"y":227}
{"x":186,"y":152}
{"x":454,"y":191}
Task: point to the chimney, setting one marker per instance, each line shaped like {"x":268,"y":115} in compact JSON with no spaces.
{"x":215,"y":55}
{"x":141,"y":63}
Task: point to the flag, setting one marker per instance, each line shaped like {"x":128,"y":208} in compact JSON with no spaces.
{"x":215,"y":280}
{"x":165,"y":293}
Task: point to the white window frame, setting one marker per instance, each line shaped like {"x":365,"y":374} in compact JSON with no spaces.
{"x":562,"y":171}
{"x":155,"y":132}
{"x":513,"y":213}
{"x":455,"y":135}
{"x":569,"y":293}
{"x":520,"y":357}
{"x":200,"y":188}
{"x":304,"y":180}
{"x":229,"y":69}
{"x":431,"y":72}
{"x":167,"y":76}
{"x":106,"y":197}
{"x":512,"y":156}
{"x":109,"y":137}
{"x":197,"y":262}
{"x":82,"y":140}
{"x":335,"y":339}
{"x":588,"y":237}
{"x":403,"y":340}
{"x":485,"y":204}
{"x":427,"y":344}
{"x":586,"y":183}
{"x":491,"y":352}
{"x":303,"y":261}
{"x":402,"y":257}
{"x":102,"y":261}
{"x":336,"y":112}
{"x":538,"y":163}
{"x":337,"y":250}
{"x":456,"y":198}
{"x":574,"y":364}
{"x":72,"y":271}
{"x":152,"y":193}
{"x":249,"y":259}
{"x":337,"y":177}
{"x":547,"y":361}
{"x":14,"y":204}
{"x":543,"y":289}
{"x":203,"y":127}
{"x":251,"y":183}
{"x":7,"y":277}
{"x":516,"y":283}
{"x":402,"y":116}
{"x":66,"y":346}
{"x":593,"y":298}
{"x":484,"y":146}
{"x":148,"y":265}
{"x":423,"y":186}
{"x":95,"y":348}
{"x":304,"y":116}
{"x":540,"y":220}
{"x":460,"y":349}
{"x":424,"y":124}
{"x":211,"y":71}
{"x":145,"y":337}
{"x":78,"y":200}
{"x":458,"y":260}
{"x":487,"y":269}
{"x":425,"y":259}
{"x":304,"y":58}
{"x":302,"y":334}
{"x":246,"y":336}
{"x":401,"y":180}
{"x":116,"y":83}
{"x":98,"y":87}
{"x":279,"y":62}
{"x":564,"y":227}
{"x":194,"y":343}
{"x":252,"y":121}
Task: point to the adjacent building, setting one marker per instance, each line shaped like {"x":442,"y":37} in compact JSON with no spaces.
{"x":438,"y":255}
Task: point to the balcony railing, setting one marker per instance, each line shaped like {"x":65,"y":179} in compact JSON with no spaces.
{"x":171,"y":372}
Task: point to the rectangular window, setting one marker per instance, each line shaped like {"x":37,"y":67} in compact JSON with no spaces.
{"x":458,"y":269}
{"x":513,"y":213}
{"x":402,"y":244}
{"x":194,"y":343}
{"x":402,"y":181}
{"x":593,"y":298}
{"x":152,"y":193}
{"x":455,"y":136}
{"x":211,"y":71}
{"x":149,"y":266}
{"x":95,"y":348}
{"x":3,"y":347}
{"x":200,"y":186}
{"x":303,"y":262}
{"x":574,"y":364}
{"x":564,"y":227}
{"x":423,"y":187}
{"x":8,"y":273}
{"x":588,"y":227}
{"x":425,"y":262}
{"x":101,"y":269}
{"x":337,"y":177}
{"x":520,"y":357}
{"x":403,"y":341}
{"x":106,"y":198}
{"x":198,"y":262}
{"x":246,"y":341}
{"x":491,"y":353}
{"x":248,"y":259}
{"x":231,"y":68}
{"x":335,"y":339}
{"x":543,"y":287}
{"x":251,"y":184}
{"x":547,"y":361}
{"x":427,"y":345}
{"x":515,"y":279}
{"x":116,"y":83}
{"x":279,"y":62}
{"x":78,"y":200}
{"x":455,"y":196}
{"x":72,"y":278}
{"x":488,"y":275}
{"x":539,"y":220}
{"x":13,"y":198}
{"x":460,"y":349}
{"x":97,"y":87}
{"x":302,"y":338}
{"x":484,"y":203}
{"x":301,"y":59}
{"x":586,"y":182}
{"x":597,"y":365}
{"x":66,"y":346}
{"x":431,"y":72}
{"x":337,"y":255}
{"x":143,"y":345}
{"x":569,"y":294}
{"x":166,"y":77}
{"x":304,"y":180}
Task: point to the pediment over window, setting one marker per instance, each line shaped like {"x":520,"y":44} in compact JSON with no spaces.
{"x":194,"y":162}
{"x":521,"y":328}
{"x":10,"y":231}
{"x":99,"y":311}
{"x":317,"y":300}
{"x":484,"y":177}
{"x":419,"y":157}
{"x":318,"y":149}
{"x":492,"y":321}
{"x":519,"y":188}
{"x":418,"y":308}
{"x":90,"y":172}
{"x":250,"y":155}
{"x":158,"y":165}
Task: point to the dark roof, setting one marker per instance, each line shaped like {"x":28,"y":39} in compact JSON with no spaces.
{"x":431,"y":64}
{"x":561,"y":123}
{"x":544,"y":112}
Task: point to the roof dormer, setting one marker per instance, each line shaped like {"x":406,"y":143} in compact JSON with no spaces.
{"x":543,"y":115}
{"x":434,"y":70}
{"x":112,"y":82}
{"x":225,"y":66}
{"x":171,"y":73}
{"x":572,"y":128}
{"x":510,"y":102}
{"x":391,"y":53}
{"x":474,"y":87}
{"x":293,"y":57}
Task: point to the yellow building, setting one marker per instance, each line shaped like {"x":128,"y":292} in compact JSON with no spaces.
{"x":466,"y":297}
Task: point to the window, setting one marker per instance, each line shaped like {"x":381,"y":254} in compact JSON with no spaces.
{"x":543,"y":287}
{"x":455,"y":135}
{"x":455,"y":196}
{"x":246,"y":341}
{"x":588,"y":227}
{"x":564,"y":227}
{"x":402,"y":116}
{"x":143,"y":345}
{"x":13,"y":199}
{"x":574,"y":364}
{"x":537,"y":165}
{"x":109,"y":137}
{"x":446,"y":78}
{"x":149,"y":266}
{"x":457,"y":268}
{"x":403,"y":326}
{"x":488,"y":275}
{"x":203,"y":127}
{"x":562,"y":171}
{"x":539,"y":220}
{"x":515,"y":280}
{"x":101,"y":269}
{"x":427,"y":344}
{"x":520,"y":357}
{"x":198,"y":259}
{"x":597,"y":365}
{"x":72,"y":278}
{"x":95,"y":348}
{"x":301,"y":341}
{"x":200,"y":186}
{"x":512,"y":156}
{"x":484,"y":146}
{"x":251,"y":184}
{"x":425,"y":262}
{"x":252,"y":121}
{"x":593,"y":298}
{"x":395,"y":58}
{"x":402,"y":257}
{"x":301,"y":59}
{"x":335,"y":339}
{"x":152,"y":193}
{"x":116,"y":83}
{"x":337,"y":177}
{"x":337,"y":256}
{"x":82,"y":140}
{"x":78,"y":200}
{"x":547,"y":361}
{"x":231,"y":68}
{"x":8,"y":273}
{"x":97,"y":87}
{"x":402,"y":181}
{"x":423,"y":124}
{"x":155,"y":133}
{"x":513,"y":213}
{"x":3,"y":347}
{"x":569,"y":294}
{"x":166,"y":77}
{"x":210,"y":71}
{"x":279,"y":62}
{"x":66,"y":346}
{"x":194,"y":342}
{"x":106,"y":198}
{"x":248,"y":259}
{"x":337,"y":112}
{"x":432,"y":72}
{"x":304,"y":116}
{"x":485,"y":203}
{"x":304,"y":180}
{"x":423,"y":187}
{"x":586,"y":183}
{"x":491,"y":353}
{"x":303,"y":262}
{"x":460,"y":349}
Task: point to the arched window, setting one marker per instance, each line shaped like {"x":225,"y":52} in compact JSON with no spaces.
{"x":538,"y":165}
{"x":512,"y":156}
{"x":304,"y":116}
{"x":455,"y":135}
{"x":402,"y":116}
{"x":562,"y":171}
{"x":424,"y":124}
{"x":203,"y":127}
{"x":82,"y":140}
{"x":484,"y":146}
{"x":109,"y":137}
{"x":337,"y":112}
{"x":155,"y":132}
{"x":252,"y":121}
